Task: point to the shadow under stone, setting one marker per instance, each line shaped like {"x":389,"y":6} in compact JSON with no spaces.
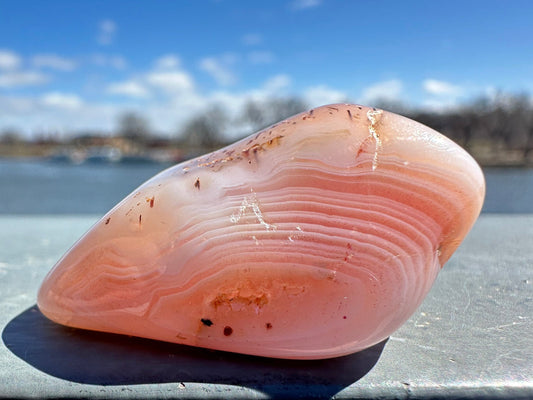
{"x":107,"y":359}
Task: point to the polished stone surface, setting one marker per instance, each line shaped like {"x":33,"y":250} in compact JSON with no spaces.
{"x":315,"y":238}
{"x":471,"y":338}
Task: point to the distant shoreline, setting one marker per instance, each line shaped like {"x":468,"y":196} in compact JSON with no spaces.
{"x":485,"y":162}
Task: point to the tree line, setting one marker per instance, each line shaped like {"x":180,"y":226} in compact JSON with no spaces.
{"x":495,"y":130}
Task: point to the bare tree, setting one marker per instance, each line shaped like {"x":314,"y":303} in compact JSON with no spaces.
{"x":205,"y":130}
{"x":395,"y":106}
{"x":11,"y":136}
{"x":260,"y":114}
{"x":282,"y":108}
{"x":134,"y":127}
{"x":254,"y":114}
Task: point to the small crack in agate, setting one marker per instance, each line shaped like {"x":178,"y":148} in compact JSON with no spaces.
{"x":251,"y":203}
{"x":374,"y":116}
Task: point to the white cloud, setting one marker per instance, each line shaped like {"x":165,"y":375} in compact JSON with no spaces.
{"x":443,"y":96}
{"x":114,"y":61}
{"x":490,"y":92}
{"x":387,"y":90}
{"x":304,"y":4}
{"x":233,"y":102}
{"x":54,"y":62}
{"x":128,"y":88}
{"x":172,"y":82}
{"x":261,"y":57}
{"x":58,"y":112}
{"x":276,"y":86}
{"x":319,"y":95}
{"x":9,"y":60}
{"x":169,"y":97}
{"x":184,"y":96}
{"x":252,"y":39}
{"x":440,"y":105}
{"x":441,"y":88}
{"x":17,"y":112}
{"x":106,"y":32}
{"x":11,"y":106}
{"x":62,"y":100}
{"x":22,"y":78}
{"x":218,"y":70}
{"x":168,"y":61}
{"x":277,"y":83}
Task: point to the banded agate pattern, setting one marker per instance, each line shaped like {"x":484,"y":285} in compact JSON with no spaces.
{"x":314,"y":238}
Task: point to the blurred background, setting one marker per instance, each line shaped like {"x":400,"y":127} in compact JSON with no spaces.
{"x":98,"y":96}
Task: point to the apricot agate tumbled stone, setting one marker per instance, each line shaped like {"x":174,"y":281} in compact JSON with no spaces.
{"x":314,"y":238}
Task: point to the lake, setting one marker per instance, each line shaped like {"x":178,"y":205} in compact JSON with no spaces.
{"x":44,"y":187}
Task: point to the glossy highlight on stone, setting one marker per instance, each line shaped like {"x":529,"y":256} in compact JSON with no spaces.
{"x":314,"y":238}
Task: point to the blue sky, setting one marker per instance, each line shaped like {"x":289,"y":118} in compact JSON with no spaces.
{"x":74,"y":65}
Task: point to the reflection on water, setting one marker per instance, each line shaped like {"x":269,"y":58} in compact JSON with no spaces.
{"x":41,"y":187}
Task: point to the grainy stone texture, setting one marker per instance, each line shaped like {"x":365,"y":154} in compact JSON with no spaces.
{"x":471,"y":338}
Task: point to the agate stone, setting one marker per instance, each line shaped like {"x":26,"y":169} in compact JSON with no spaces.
{"x":314,"y":238}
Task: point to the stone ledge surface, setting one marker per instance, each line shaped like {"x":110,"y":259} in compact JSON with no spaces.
{"x":471,"y":338}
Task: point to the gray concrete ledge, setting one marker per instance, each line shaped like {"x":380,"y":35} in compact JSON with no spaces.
{"x":471,"y":338}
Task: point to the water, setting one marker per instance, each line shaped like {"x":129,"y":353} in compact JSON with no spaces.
{"x":41,"y":187}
